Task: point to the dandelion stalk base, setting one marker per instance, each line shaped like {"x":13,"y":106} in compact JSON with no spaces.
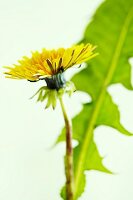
{"x":69,"y":155}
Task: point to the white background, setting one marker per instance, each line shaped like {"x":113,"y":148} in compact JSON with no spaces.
{"x":29,"y":168}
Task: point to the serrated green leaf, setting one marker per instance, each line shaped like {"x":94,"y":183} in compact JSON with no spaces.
{"x":112,"y":31}
{"x":111,"y":66}
{"x":109,"y":115}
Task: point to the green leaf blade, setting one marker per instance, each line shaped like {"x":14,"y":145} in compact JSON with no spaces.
{"x":112,"y":31}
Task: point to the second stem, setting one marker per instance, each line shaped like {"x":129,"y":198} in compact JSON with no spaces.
{"x":69,"y":155}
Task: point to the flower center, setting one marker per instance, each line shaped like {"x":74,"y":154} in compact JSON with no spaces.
{"x":56,"y":81}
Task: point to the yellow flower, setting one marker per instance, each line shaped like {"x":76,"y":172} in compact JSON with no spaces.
{"x":50,"y":62}
{"x":49,"y":65}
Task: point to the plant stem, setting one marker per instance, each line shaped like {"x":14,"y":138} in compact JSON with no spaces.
{"x":69,"y":155}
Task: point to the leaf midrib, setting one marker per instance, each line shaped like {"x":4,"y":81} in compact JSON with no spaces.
{"x":95,"y":112}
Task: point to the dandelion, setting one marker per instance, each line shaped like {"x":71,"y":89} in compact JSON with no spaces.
{"x":50,"y":65}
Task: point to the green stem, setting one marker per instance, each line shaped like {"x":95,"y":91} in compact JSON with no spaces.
{"x":69,"y":155}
